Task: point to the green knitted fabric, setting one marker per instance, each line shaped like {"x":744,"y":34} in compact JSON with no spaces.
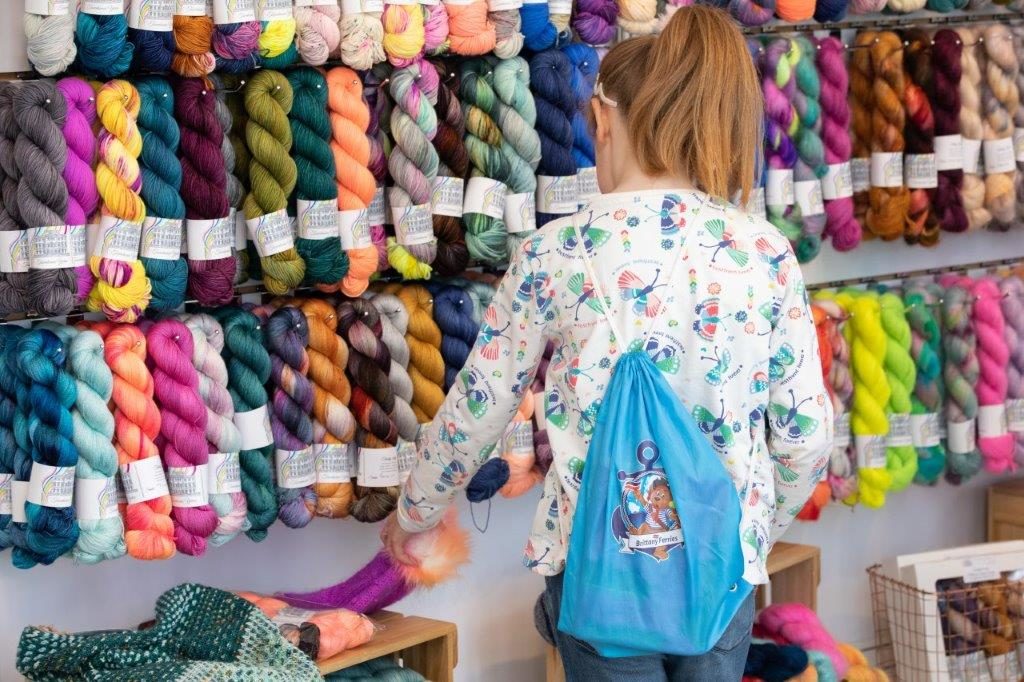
{"x":201,"y":634}
{"x":377,"y":670}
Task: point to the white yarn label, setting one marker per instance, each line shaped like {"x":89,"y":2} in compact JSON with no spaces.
{"x":1018,"y":143}
{"x":406,"y":453}
{"x":254,"y":426}
{"x":557,"y":194}
{"x":502,"y":5}
{"x":372,"y":6}
{"x":55,"y":247}
{"x":459,"y":3}
{"x":870,"y":451}
{"x":191,"y":8}
{"x":351,"y":7}
{"x":838,"y":182}
{"x":210,"y":239}
{"x":886,"y":169}
{"x":95,"y":499}
{"x":446,"y":196}
{"x":274,"y":10}
{"x":586,"y":178}
{"x":295,"y":468}
{"x":161,"y":238}
{"x":487,"y":196}
{"x":518,"y":438}
{"x":117,"y":239}
{"x":5,"y":493}
{"x":949,"y":152}
{"x":992,"y":421}
{"x":841,"y":431}
{"x":14,"y":251}
{"x":924,"y":430}
{"x":51,"y":486}
{"x":241,"y":231}
{"x":413,"y":224}
{"x":225,"y":473}
{"x":378,"y":467}
{"x":778,"y":187}
{"x":520,"y":212}
{"x":960,"y":438}
{"x":55,"y":8}
{"x":290,"y":615}
{"x":316,"y":219}
{"x":233,"y":11}
{"x":102,"y":7}
{"x":971,"y":156}
{"x":151,"y":15}
{"x":354,"y":229}
{"x":332,"y":463}
{"x":919,"y":171}
{"x":899,"y":435}
{"x":403,"y":2}
{"x":316,"y":3}
{"x":271,"y":233}
{"x":1015,"y":414}
{"x":1000,"y":156}
{"x":121,"y":497}
{"x":860,"y":174}
{"x":560,"y":7}
{"x":808,"y":197}
{"x":377,"y":211}
{"x":190,"y":486}
{"x":19,"y":493}
{"x":144,"y":480}
{"x":535,"y":2}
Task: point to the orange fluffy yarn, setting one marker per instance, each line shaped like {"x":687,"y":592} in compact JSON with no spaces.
{"x":889,"y":205}
{"x":860,"y":670}
{"x":338,"y":630}
{"x":440,"y":552}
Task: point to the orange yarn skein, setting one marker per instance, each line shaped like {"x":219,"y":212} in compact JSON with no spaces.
{"x":861,"y":76}
{"x":193,"y":42}
{"x":426,"y":366}
{"x":889,"y":205}
{"x":470,"y":30}
{"x":972,"y":59}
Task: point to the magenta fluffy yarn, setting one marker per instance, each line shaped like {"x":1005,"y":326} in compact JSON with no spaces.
{"x":182,"y":439}
{"x":841,"y":224}
{"x":799,"y":625}
{"x":83,"y":197}
{"x":1012,"y":288}
{"x":375,"y":586}
{"x":993,"y":358}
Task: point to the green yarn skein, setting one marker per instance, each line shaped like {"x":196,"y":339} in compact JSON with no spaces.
{"x":901,"y":460}
{"x":920,"y":300}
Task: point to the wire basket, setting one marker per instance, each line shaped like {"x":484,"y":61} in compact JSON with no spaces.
{"x":961,"y":632}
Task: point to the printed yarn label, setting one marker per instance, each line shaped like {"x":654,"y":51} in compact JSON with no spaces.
{"x":403,"y":2}
{"x":295,"y":468}
{"x":1000,"y":156}
{"x":972,"y":156}
{"x":161,"y":238}
{"x":121,"y":497}
{"x":406,"y":452}
{"x":233,"y":11}
{"x":14,"y":251}
{"x":371,"y":6}
{"x":860,"y":174}
{"x":557,"y":194}
{"x":924,"y":430}
{"x":241,"y":230}
{"x":518,"y":438}
{"x":151,"y":15}
{"x":316,"y":219}
{"x":446,"y":196}
{"x":225,"y":473}
{"x":51,"y":486}
{"x":991,"y":420}
{"x":377,"y":210}
{"x":960,"y":436}
{"x":979,"y":569}
{"x":920,"y":172}
{"x":271,"y":233}
{"x":351,"y":7}
{"x":486,"y":196}
{"x":949,"y":152}
{"x":534,"y":2}
{"x":413,"y":224}
{"x":117,"y":239}
{"x":560,"y":7}
{"x":520,"y":212}
{"x":316,"y":3}
{"x":191,"y":8}
{"x":899,"y":435}
{"x":778,"y":187}
{"x":190,"y":486}
{"x":254,"y":426}
{"x":427,"y":3}
{"x":808,"y":197}
{"x":458,"y":2}
{"x":841,"y":430}
{"x":838,"y":182}
{"x":102,"y":7}
{"x":95,"y":499}
{"x":870,"y":451}
{"x":5,"y":493}
{"x":274,"y":10}
{"x":378,"y":468}
{"x":354,"y":229}
{"x":290,"y":615}
{"x":52,"y":8}
{"x":1015,"y":415}
{"x":586,"y":178}
{"x":210,"y":239}
{"x":886,"y":169}
{"x":19,"y":493}
{"x":143,"y":480}
{"x":502,"y":5}
{"x":55,"y":247}
{"x":332,"y":462}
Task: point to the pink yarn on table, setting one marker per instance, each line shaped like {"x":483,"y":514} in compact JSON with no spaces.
{"x":799,"y":625}
{"x":182,"y":439}
{"x":1012,"y":288}
{"x":993,"y":358}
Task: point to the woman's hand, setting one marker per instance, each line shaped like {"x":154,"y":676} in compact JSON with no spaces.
{"x":394,"y":538}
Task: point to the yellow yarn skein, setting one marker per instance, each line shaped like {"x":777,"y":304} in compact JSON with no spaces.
{"x":426,"y":366}
{"x":404,"y":262}
{"x":122,"y":290}
{"x":276,"y":37}
{"x":901,"y":373}
{"x":403,"y":32}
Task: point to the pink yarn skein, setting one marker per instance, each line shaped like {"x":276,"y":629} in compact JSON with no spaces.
{"x":1012,"y":288}
{"x":797,"y":624}
{"x":182,"y":440}
{"x":993,"y":358}
{"x":841,"y":223}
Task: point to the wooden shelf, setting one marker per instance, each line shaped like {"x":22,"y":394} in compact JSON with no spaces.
{"x":1006,"y":510}
{"x":430,"y":647}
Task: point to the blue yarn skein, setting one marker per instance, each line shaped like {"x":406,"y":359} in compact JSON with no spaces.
{"x":8,"y":446}
{"x":551,"y":84}
{"x":488,"y":480}
{"x":453,"y":313}
{"x":154,"y":50}
{"x":103,"y":47}
{"x":14,"y":388}
{"x":773,"y":662}
{"x":161,"y":184}
{"x":538,"y":31}
{"x":50,"y":532}
{"x":584,"y":62}
{"x":831,"y":10}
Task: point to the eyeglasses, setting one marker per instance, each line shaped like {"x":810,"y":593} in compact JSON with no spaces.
{"x":599,"y":93}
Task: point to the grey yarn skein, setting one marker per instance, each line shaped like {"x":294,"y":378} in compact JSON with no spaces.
{"x":14,"y":288}
{"x":41,"y":153}
{"x":235,"y":189}
{"x":394,"y":321}
{"x":50,"y":42}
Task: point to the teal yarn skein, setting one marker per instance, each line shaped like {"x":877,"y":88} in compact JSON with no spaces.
{"x":810,"y":165}
{"x":15,"y":390}
{"x":8,"y":445}
{"x":104,"y":50}
{"x":920,"y":299}
{"x":161,"y":184}
{"x":326,"y":262}
{"x":49,"y":532}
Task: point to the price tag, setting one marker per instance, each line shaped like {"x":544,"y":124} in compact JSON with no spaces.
{"x":486,"y":196}
{"x":95,"y":499}
{"x":51,"y":486}
{"x":924,"y":430}
{"x":14,"y":251}
{"x":271,"y":233}
{"x":378,"y":468}
{"x":886,"y":169}
{"x":354,"y":229}
{"x":1015,"y":415}
{"x":333,"y":463}
{"x":189,"y":485}
{"x":1000,"y":156}
{"x":841,"y":430}
{"x":233,"y":11}
{"x":972,"y":156}
{"x":960,"y":437}
{"x":860,"y":174}
{"x":295,"y":468}
{"x":254,"y":426}
{"x":979,"y":569}
{"x":899,"y":431}
{"x":870,"y":451}
{"x":586,"y":178}
{"x":838,"y":182}
{"x":949,"y":152}
{"x":992,"y":421}
{"x":144,"y":480}
{"x":446,"y":196}
{"x":161,"y":239}
{"x":413,"y":224}
{"x":102,"y":7}
{"x":808,"y":197}
{"x":920,"y":172}
{"x":778,"y":187}
{"x":274,"y":10}
{"x":520,"y":212}
{"x":316,"y":219}
{"x":51,"y":8}
{"x":225,"y":473}
{"x":558,"y":194}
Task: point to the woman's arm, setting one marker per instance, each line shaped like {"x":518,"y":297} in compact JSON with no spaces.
{"x":480,"y":404}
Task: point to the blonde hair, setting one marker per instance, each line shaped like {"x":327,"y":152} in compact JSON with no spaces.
{"x":697,"y":110}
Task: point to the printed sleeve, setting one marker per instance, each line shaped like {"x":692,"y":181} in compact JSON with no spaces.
{"x":482,"y":402}
{"x":799,"y":410}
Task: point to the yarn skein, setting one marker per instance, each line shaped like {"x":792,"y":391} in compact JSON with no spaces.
{"x":947,"y":202}
{"x":861,"y":106}
{"x":161,"y":191}
{"x":50,"y":41}
{"x":794,"y":10}
{"x":404,"y":37}
{"x":453,"y":314}
{"x":840,"y":223}
{"x":277,"y":36}
{"x":248,"y":365}
{"x":637,"y":17}
{"x":779,"y":87}
{"x":362,"y":39}
{"x":994,"y":441}
{"x":236,"y":44}
{"x":315,"y":191}
{"x":350,"y":146}
{"x":1018,"y":117}
{"x":749,"y":12}
{"x":538,"y":32}
{"x":426,"y":365}
{"x":8,"y":443}
{"x":103,"y":47}
{"x":922,"y":226}
{"x":470,"y":29}
{"x":394,"y":321}
{"x":961,"y":372}
{"x":810,"y":166}
{"x":929,"y":392}
{"x":551,"y":85}
{"x":901,"y":373}
{"x":435,"y":29}
{"x":452,"y":255}
{"x":867,"y":6}
{"x":272,"y":172}
{"x":122,"y":289}
{"x":193,"y":44}
{"x":1000,"y":100}
{"x":234,"y":187}
{"x":584,"y":61}
{"x":182,"y":442}
{"x":972,"y":126}
{"x":842,"y":467}
{"x":1012,"y":288}
{"x":317,"y":34}
{"x":16,"y":387}
{"x":830,"y":10}
{"x":380,"y":147}
{"x":152,"y":38}
{"x":40,"y":111}
{"x":508,"y":25}
{"x":888,"y":204}
{"x":413,"y":165}
{"x":593,"y":21}
{"x":13,"y":285}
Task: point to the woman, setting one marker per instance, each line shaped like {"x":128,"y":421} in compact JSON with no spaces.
{"x":677,"y":127}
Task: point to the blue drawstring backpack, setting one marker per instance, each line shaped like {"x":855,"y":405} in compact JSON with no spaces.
{"x":655,"y":563}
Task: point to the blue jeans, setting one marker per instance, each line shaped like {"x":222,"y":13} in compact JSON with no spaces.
{"x":724,"y":663}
